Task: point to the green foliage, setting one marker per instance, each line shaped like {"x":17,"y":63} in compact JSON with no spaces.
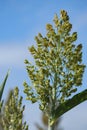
{"x":69,"y":104}
{"x":12,"y":118}
{"x":58,"y":68}
{"x":2,"y":86}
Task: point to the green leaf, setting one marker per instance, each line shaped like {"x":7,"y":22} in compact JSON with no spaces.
{"x":69,"y":104}
{"x":2,"y":86}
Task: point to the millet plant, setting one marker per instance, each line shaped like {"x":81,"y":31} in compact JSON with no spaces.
{"x":58,"y":70}
{"x":12,"y":115}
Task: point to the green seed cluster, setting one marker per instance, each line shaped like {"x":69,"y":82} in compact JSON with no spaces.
{"x":13,"y":113}
{"x":58,"y":68}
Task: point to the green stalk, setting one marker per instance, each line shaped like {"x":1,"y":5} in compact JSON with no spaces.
{"x":50,"y":127}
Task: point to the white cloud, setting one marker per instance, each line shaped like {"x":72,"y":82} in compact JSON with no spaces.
{"x":13,"y":55}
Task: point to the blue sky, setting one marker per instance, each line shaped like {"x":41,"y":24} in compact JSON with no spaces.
{"x":20,"y":22}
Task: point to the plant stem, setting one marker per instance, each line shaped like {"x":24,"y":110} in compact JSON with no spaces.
{"x":50,"y":127}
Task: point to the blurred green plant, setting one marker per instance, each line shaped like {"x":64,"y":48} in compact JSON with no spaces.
{"x":2,"y":86}
{"x":12,"y":115}
{"x":58,"y":70}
